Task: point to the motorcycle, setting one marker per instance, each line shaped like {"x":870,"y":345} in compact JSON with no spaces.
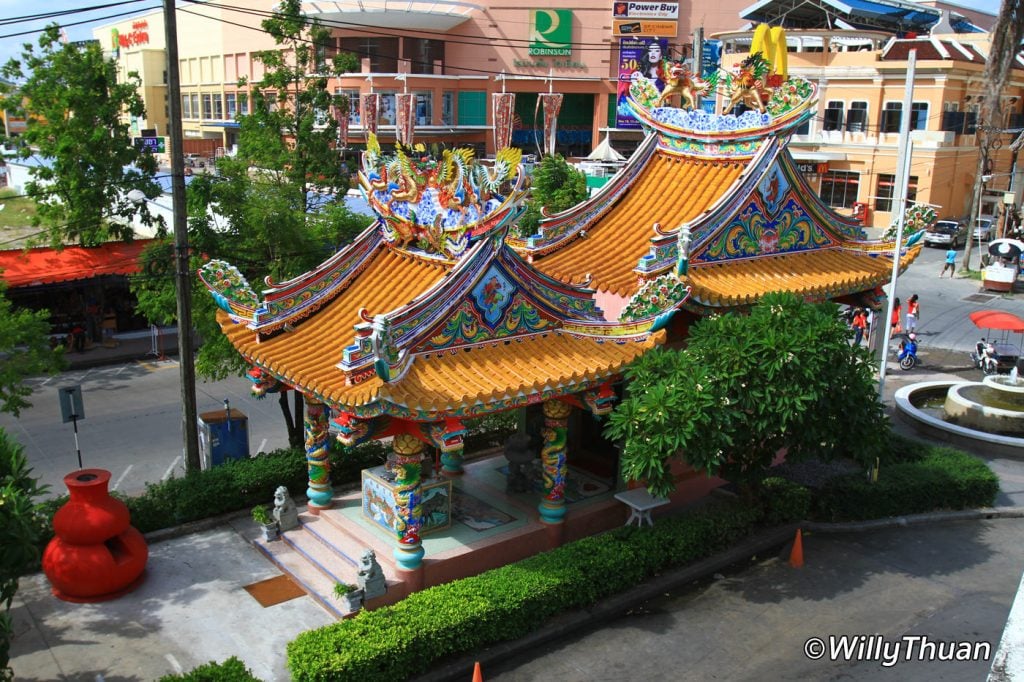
{"x":985,"y":357}
{"x":907,"y":352}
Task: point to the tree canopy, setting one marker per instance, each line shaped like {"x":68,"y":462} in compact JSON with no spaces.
{"x":24,"y":351}
{"x":556,"y":186}
{"x":745,"y":387}
{"x":77,"y":125}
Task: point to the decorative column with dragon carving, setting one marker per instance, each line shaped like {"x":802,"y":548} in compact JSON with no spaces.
{"x":317,"y":455}
{"x":556,"y":424}
{"x":407,"y":466}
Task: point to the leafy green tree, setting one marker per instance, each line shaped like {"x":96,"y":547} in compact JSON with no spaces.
{"x":76,"y":120}
{"x":745,"y":387}
{"x":556,"y":186}
{"x":24,"y":351}
{"x":256,"y":212}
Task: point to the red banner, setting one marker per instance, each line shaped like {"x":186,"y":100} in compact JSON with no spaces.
{"x":405,"y":103}
{"x":369,"y":109}
{"x":502,"y":109}
{"x":552,"y":102}
{"x":341,"y":117}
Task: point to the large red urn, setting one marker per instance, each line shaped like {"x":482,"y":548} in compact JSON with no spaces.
{"x":96,"y":554}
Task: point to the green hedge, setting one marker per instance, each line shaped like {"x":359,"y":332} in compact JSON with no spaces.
{"x":466,"y":615}
{"x":231,"y":670}
{"x":943,"y":478}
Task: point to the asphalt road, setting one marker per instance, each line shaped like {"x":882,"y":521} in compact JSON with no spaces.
{"x":132,"y":424}
{"x":949,"y":582}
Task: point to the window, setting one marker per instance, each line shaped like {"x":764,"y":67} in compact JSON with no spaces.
{"x":186,"y":106}
{"x":353,"y":104}
{"x":971,"y":119}
{"x":857,"y":117}
{"x":891,"y":115}
{"x":422,"y":53}
{"x":382,"y":52}
{"x":388,"y":107}
{"x":243,"y":104}
{"x":195,"y":105}
{"x":218,"y":107}
{"x":448,"y":108}
{"x":919,"y":116}
{"x":207,"y":106}
{"x":424,"y":108}
{"x":232,"y":106}
{"x":833,"y":116}
{"x":887,"y":191}
{"x":839,"y":188}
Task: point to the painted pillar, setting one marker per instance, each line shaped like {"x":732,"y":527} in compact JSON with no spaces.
{"x":317,"y":455}
{"x":556,"y":424}
{"x":408,"y":458}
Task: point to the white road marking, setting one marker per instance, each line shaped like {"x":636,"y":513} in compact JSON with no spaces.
{"x":123,"y":368}
{"x":263,"y":444}
{"x":170,"y":469}
{"x":121,"y":477}
{"x":174,"y":663}
{"x":47,"y":380}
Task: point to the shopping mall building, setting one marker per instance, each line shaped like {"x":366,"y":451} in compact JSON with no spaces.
{"x":454,"y":54}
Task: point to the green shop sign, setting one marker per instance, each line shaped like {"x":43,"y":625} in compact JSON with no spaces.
{"x":550,"y":33}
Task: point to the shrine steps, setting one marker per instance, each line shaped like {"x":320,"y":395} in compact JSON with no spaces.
{"x":321,"y":553}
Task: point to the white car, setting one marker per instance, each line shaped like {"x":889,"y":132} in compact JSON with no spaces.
{"x":983,"y":228}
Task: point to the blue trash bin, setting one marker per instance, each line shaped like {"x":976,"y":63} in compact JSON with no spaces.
{"x":223,"y":435}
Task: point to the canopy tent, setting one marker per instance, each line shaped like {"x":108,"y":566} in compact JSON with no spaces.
{"x":896,"y":16}
{"x":997,"y":319}
{"x":605,"y":152}
{"x":32,"y":267}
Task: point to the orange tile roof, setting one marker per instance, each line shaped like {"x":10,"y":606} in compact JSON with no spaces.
{"x":823,"y":272}
{"x":494,"y":373}
{"x":670,"y":191}
{"x":308,"y":356}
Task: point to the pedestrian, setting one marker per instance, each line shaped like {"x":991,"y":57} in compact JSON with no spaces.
{"x":897,"y":312}
{"x":860,"y":325}
{"x":913,"y":313}
{"x":950,"y":263}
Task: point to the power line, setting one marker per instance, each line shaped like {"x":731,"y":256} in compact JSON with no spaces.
{"x":5,"y":21}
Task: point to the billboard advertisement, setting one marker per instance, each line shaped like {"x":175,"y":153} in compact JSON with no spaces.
{"x":550,"y":33}
{"x":153,"y":145}
{"x":638,"y":58}
{"x":645,"y":10}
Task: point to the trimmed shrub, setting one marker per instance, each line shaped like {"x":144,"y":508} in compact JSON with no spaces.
{"x":231,"y":670}
{"x":784,"y":501}
{"x":465,"y":615}
{"x":943,"y":478}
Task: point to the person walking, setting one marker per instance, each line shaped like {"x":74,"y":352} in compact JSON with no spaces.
{"x":913,"y":313}
{"x":897,"y":313}
{"x":950,"y":263}
{"x":860,"y":325}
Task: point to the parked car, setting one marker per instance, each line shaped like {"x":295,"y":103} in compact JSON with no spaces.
{"x":947,"y":232}
{"x":983,"y":228}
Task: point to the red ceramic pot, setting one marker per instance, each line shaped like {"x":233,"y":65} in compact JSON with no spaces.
{"x":96,"y":554}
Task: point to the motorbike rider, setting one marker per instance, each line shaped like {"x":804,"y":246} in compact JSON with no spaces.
{"x":985,"y":356}
{"x":909,"y":346}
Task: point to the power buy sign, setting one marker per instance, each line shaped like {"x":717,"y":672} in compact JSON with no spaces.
{"x":550,"y":33}
{"x":645,"y":19}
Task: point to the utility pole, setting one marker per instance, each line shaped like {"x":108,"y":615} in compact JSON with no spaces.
{"x":182,"y":276}
{"x":900,"y":202}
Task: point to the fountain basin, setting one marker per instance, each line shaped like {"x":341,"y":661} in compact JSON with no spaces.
{"x":996,"y":405}
{"x":915,"y":406}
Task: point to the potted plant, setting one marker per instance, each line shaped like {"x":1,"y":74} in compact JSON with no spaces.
{"x":350,"y":596}
{"x":261,"y":515}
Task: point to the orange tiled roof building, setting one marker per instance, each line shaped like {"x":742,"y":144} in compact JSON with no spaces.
{"x":436,"y":313}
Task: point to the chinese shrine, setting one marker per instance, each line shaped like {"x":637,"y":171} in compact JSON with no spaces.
{"x":440,"y":312}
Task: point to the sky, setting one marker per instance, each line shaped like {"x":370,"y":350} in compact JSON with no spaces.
{"x":11,"y":12}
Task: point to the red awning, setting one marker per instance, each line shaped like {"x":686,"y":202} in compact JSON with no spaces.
{"x":22,"y":268}
{"x":997,"y":319}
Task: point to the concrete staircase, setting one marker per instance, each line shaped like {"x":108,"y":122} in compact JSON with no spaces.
{"x":324,"y":551}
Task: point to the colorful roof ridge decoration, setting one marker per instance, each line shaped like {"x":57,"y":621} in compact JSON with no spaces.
{"x":709,"y":197}
{"x":377,"y":329}
{"x":438,"y":206}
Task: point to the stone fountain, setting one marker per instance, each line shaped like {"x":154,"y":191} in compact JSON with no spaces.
{"x":987,"y":414}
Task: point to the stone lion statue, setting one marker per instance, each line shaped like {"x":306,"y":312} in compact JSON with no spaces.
{"x":285,"y":513}
{"x":371,"y":577}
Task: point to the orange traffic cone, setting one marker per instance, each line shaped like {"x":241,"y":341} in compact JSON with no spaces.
{"x":796,"y":555}
{"x":477,"y":675}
